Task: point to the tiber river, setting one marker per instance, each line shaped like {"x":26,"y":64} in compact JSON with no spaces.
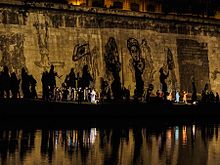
{"x":194,"y":144}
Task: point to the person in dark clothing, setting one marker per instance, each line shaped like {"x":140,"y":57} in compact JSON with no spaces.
{"x":72,"y":82}
{"x":67,"y":81}
{"x":194,"y":96}
{"x":163,"y":77}
{"x":126,"y":94}
{"x":6,"y":81}
{"x":25,"y":84}
{"x":72,"y":79}
{"x":45,"y":85}
{"x":149,"y":92}
{"x":33,"y":84}
{"x":52,"y":80}
{"x":211,"y":98}
{"x":86,"y":77}
{"x":15,"y":82}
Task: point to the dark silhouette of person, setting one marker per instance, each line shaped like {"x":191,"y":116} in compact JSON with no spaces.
{"x":15,"y":82}
{"x":67,"y":81}
{"x":45,"y":85}
{"x":104,"y":85}
{"x":205,"y":94}
{"x":126,"y":93}
{"x":158,"y":96}
{"x":86,"y":77}
{"x":163,"y":78}
{"x":211,"y":97}
{"x":6,"y":83}
{"x":149,"y":92}
{"x":52,"y":80}
{"x":206,"y":88}
{"x":33,"y":84}
{"x":25,"y":84}
{"x":72,"y":82}
{"x":78,"y":81}
{"x":80,"y":95}
{"x":65,"y":91}
{"x":194,"y":96}
{"x":116,"y":87}
{"x":217,"y":97}
{"x":72,"y":79}
{"x":138,"y":76}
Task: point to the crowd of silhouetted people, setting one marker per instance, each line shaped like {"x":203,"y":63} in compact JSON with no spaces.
{"x":78,"y":89}
{"x":10,"y":84}
{"x":74,"y":87}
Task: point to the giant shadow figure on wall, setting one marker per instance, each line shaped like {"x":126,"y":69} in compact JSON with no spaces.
{"x":84,"y":55}
{"x":113,"y":66}
{"x":172,"y":80}
{"x":138,"y":65}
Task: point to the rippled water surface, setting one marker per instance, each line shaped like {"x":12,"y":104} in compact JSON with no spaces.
{"x":195,"y":144}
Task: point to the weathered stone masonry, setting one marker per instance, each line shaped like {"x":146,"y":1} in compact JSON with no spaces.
{"x":37,"y":35}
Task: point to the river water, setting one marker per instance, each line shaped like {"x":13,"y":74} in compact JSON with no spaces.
{"x":182,"y":144}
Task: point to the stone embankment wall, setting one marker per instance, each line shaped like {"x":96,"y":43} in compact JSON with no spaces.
{"x":131,"y":46}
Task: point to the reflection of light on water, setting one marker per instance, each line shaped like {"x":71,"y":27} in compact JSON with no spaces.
{"x":194,"y":130}
{"x":184,"y":135}
{"x":56,"y":139}
{"x":169,"y":138}
{"x":176,"y":133}
{"x":87,"y":136}
{"x":93,"y":135}
{"x":75,"y":138}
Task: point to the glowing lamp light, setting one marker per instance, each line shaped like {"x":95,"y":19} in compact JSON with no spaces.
{"x":75,"y":2}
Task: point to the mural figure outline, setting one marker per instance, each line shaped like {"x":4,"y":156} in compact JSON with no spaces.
{"x":138,"y":65}
{"x":113,"y":67}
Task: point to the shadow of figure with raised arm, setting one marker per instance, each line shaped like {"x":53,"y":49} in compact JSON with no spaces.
{"x":52,"y":80}
{"x":163,"y":78}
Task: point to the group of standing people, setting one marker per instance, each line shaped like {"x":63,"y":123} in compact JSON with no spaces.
{"x":74,"y":87}
{"x":79,"y":88}
{"x":10,"y":84}
{"x":48,"y":83}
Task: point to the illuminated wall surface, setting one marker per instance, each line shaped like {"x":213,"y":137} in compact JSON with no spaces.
{"x":174,"y":145}
{"x":129,"y":45}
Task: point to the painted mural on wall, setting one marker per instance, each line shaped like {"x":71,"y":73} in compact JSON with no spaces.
{"x":172,"y":80}
{"x":138,"y":65}
{"x":149,"y":71}
{"x":12,"y":51}
{"x":83,"y":55}
{"x":193,"y":62}
{"x":42,"y":38}
{"x":113,"y":67}
{"x":42,"y":30}
{"x":141,"y":64}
